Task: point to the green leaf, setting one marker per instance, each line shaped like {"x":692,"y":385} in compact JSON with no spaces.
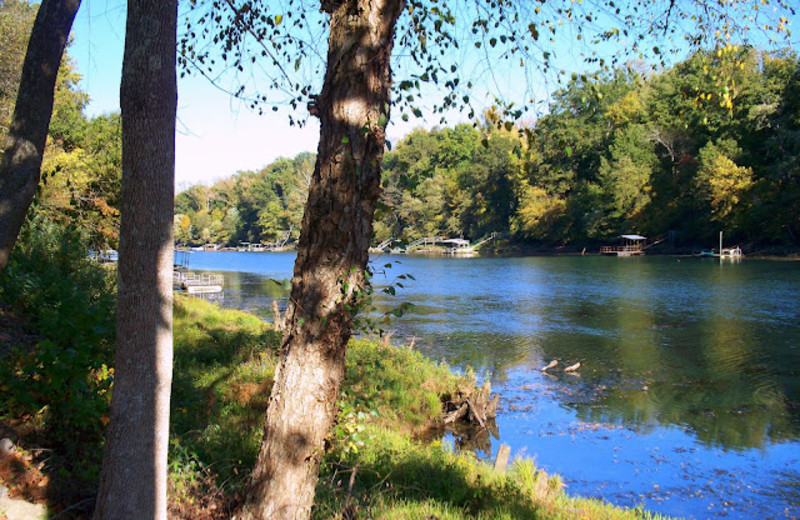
{"x":278,"y":19}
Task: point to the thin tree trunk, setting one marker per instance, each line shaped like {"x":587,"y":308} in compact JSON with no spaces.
{"x":332,"y":255}
{"x":22,"y":159}
{"x":134,"y":480}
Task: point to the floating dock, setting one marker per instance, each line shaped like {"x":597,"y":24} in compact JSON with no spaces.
{"x":193,"y":283}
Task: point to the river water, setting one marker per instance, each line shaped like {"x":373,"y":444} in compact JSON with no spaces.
{"x":687,"y":401}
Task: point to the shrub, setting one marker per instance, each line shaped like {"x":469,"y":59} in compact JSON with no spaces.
{"x":63,"y":382}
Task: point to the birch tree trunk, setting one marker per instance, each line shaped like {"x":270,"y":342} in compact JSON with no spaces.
{"x":134,"y":480}
{"x":332,"y":256}
{"x":21,"y":163}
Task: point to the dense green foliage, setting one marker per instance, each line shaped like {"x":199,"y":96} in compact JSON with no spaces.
{"x":708,"y":145}
{"x":81,"y":176}
{"x":82,"y":164}
{"x":259,"y":207}
{"x":56,"y":368}
{"x":16,"y":20}
{"x":59,"y":380}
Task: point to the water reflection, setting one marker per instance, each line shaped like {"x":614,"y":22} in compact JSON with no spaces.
{"x":660,"y":343}
{"x":693,"y":367}
{"x":712,"y":348}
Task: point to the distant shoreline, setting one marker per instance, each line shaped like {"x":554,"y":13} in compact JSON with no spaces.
{"x":776,"y":253}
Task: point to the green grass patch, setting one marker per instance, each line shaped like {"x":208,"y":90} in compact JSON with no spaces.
{"x":223,"y":371}
{"x":224,"y":366}
{"x":398,"y":385}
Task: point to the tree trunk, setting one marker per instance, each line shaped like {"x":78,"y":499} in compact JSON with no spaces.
{"x":329,"y":272}
{"x":21,"y":162}
{"x":134,"y":479}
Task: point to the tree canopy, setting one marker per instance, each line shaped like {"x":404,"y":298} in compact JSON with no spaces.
{"x":632,"y":150}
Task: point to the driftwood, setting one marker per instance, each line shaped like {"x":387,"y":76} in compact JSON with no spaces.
{"x":386,"y":339}
{"x":573,"y":368}
{"x":501,"y":462}
{"x":549,"y":365}
{"x":474,"y":406}
{"x":277,"y":322}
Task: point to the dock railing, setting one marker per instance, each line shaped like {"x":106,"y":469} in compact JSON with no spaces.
{"x":630,"y":249}
{"x":188,"y":279}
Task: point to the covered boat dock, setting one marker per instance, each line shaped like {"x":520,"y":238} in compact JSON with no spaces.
{"x":633,"y":245}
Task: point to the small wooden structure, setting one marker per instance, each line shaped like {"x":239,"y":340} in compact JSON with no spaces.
{"x":634,"y":245}
{"x":197,"y":284}
{"x":437,"y":244}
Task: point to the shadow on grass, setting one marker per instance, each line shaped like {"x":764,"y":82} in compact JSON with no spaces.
{"x":223,"y":371}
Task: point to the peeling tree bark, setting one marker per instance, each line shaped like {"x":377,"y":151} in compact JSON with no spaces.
{"x":134,"y":480}
{"x":332,"y":255}
{"x":20,"y":166}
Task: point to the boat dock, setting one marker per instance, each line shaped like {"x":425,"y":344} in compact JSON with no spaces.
{"x":434,"y":244}
{"x":193,"y":283}
{"x":725,"y":253}
{"x":634,"y":245}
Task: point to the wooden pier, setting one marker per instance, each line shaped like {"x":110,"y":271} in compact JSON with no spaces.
{"x":193,"y":283}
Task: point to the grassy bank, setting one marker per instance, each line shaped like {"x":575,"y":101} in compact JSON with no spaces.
{"x":224,"y":364}
{"x":374,"y":468}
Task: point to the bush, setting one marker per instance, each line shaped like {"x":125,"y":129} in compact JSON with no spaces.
{"x":62,"y":383}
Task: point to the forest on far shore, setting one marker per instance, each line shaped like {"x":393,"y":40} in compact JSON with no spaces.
{"x":712,"y":144}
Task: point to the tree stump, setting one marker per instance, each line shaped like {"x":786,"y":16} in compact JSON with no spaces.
{"x":473,"y":405}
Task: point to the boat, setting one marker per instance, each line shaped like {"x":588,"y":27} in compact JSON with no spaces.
{"x":731,"y":253}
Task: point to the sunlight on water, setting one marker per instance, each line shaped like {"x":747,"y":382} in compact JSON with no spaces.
{"x":688,"y":396}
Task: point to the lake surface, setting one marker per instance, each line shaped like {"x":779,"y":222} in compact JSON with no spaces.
{"x":688,"y":397}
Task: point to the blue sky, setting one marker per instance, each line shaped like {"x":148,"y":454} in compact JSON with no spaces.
{"x":219,"y":135}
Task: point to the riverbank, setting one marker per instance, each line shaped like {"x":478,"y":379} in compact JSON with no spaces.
{"x":375,"y":467}
{"x":751,"y":250}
